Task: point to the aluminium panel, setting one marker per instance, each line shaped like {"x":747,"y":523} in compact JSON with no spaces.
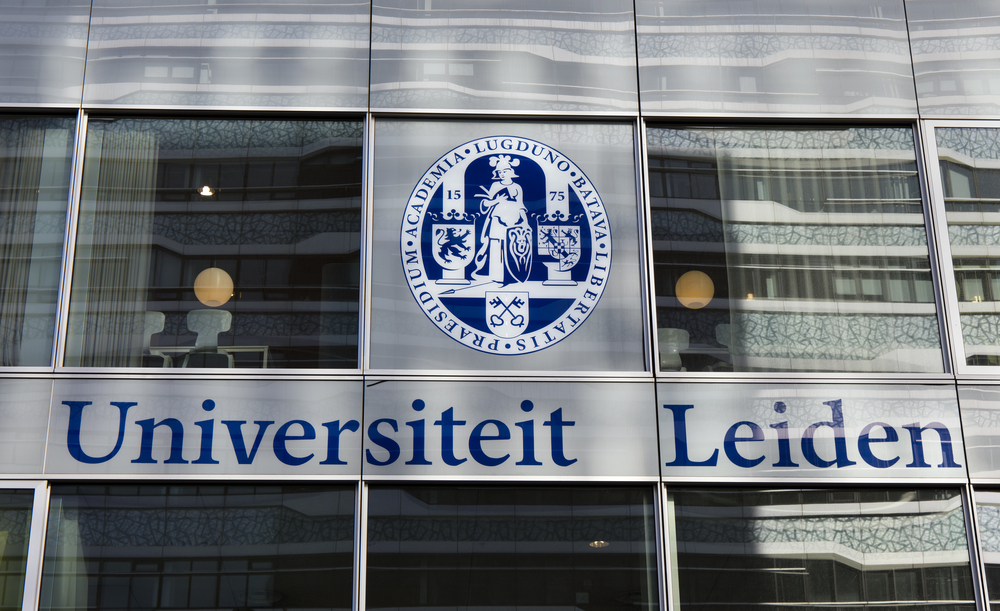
{"x":513,"y":430}
{"x":205,"y":428}
{"x":810,"y":432}
{"x":23,"y":419}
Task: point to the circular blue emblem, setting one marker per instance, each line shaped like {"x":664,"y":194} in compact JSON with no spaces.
{"x":506,"y":245}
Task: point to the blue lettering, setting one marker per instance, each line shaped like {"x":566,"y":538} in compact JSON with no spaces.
{"x":477,"y":438}
{"x":916,"y":442}
{"x":419,"y":437}
{"x":680,"y":440}
{"x":865,"y":441}
{"x":282,"y":437}
{"x":448,"y":424}
{"x":528,"y":430}
{"x":334,"y":430}
{"x":239,"y":445}
{"x":837,"y":424}
{"x":557,"y":423}
{"x":207,"y":435}
{"x":756,"y":434}
{"x":176,"y":441}
{"x":383,"y":442}
{"x":73,"y":434}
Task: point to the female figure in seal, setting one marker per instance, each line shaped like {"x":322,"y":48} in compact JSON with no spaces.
{"x":505,"y":253}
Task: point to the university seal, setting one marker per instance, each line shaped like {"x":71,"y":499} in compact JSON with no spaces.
{"x":506,"y":245}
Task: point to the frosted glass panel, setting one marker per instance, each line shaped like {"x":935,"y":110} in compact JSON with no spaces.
{"x":42,"y":50}
{"x":566,"y":55}
{"x":229,"y":53}
{"x":956,"y":56}
{"x":787,"y":57}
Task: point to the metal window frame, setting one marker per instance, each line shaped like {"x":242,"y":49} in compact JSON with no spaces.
{"x":69,"y":257}
{"x":805,"y":122}
{"x":946,"y":269}
{"x":36,"y":538}
{"x":632,"y":119}
{"x":966,"y":498}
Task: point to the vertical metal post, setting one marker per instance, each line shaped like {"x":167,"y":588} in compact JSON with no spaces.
{"x":69,"y":242}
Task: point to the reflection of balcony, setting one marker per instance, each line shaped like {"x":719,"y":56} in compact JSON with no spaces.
{"x":837,"y":531}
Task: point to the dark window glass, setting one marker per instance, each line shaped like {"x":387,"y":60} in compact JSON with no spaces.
{"x":881,"y":550}
{"x":34,"y":189}
{"x":15,"y":524}
{"x":231,"y":244}
{"x":463,"y":547}
{"x":199,"y":547}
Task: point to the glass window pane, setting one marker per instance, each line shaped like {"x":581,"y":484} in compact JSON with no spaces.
{"x":808,"y":252}
{"x":15,"y":524}
{"x":462,"y":547}
{"x":218,"y":243}
{"x":819,"y":549}
{"x":988,"y":515}
{"x":42,"y":50}
{"x":969,"y":159}
{"x":448,"y":327}
{"x":312,"y":53}
{"x":34,"y":189}
{"x":190,"y":547}
{"x":798,"y":56}
{"x":955,"y":56}
{"x":560,"y":55}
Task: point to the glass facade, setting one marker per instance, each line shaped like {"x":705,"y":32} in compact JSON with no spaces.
{"x":970,"y":181}
{"x":230,"y":53}
{"x":34,"y":190}
{"x":790,"y":250}
{"x":460,"y":547}
{"x":988,"y":513}
{"x":215,"y":243}
{"x":954,"y":47}
{"x":560,"y":55}
{"x":15,"y":523}
{"x":198,"y":547}
{"x":814,"y":548}
{"x":441,"y":304}
{"x":750,"y":56}
{"x":42,"y":51}
{"x":403,"y":335}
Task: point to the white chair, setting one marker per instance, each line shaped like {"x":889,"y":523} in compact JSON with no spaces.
{"x":152,"y":323}
{"x":672,"y":341}
{"x":208,"y":324}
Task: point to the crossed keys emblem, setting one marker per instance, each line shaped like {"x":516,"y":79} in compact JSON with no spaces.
{"x":515,"y":319}
{"x":507,"y":313}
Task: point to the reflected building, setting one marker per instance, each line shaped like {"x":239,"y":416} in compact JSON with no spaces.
{"x":557,"y":56}
{"x":813,"y":242}
{"x":228,"y":54}
{"x":954,"y":47}
{"x":726,"y":58}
